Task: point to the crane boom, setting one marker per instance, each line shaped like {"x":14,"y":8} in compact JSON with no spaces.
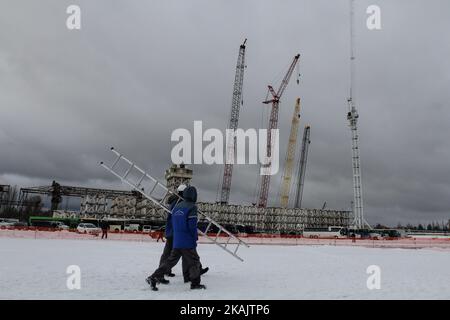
{"x":233,"y":125}
{"x":290,"y":156}
{"x":302,"y":166}
{"x":273,"y":124}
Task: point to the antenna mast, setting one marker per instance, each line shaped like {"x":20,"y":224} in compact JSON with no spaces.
{"x":352,"y":117}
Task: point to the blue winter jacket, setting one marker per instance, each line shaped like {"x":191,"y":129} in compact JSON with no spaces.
{"x":184,"y":221}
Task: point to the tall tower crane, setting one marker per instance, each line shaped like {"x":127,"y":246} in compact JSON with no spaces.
{"x":352,"y":117}
{"x":273,"y":124}
{"x":302,"y":166}
{"x":290,"y":156}
{"x":233,"y":125}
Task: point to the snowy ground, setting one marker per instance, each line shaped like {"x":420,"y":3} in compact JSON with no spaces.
{"x":36,"y":269}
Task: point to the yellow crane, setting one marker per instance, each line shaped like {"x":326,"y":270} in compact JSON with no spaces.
{"x":290,"y":156}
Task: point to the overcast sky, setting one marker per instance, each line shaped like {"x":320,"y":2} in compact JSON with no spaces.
{"x":137,"y":70}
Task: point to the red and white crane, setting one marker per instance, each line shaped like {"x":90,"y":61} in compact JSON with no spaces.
{"x":273,"y":124}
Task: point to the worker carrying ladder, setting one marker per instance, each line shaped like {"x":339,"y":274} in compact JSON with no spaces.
{"x":157,"y":192}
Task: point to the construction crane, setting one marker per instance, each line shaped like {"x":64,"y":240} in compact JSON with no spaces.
{"x":302,"y":166}
{"x":273,"y":124}
{"x":290,"y":156}
{"x":352,"y":117}
{"x":233,"y":125}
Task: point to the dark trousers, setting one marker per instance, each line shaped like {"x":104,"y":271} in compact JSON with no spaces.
{"x":191,"y":261}
{"x":105,"y":233}
{"x":166,"y":254}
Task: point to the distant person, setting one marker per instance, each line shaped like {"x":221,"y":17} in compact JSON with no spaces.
{"x":159,"y":236}
{"x":183,"y":220}
{"x":104,"y":226}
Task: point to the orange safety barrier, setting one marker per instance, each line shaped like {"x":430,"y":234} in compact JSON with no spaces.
{"x":252,"y":239}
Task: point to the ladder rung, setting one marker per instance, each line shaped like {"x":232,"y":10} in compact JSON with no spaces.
{"x":229,"y":238}
{"x":140,"y":180}
{"x":115,"y":162}
{"x":167,"y":195}
{"x":207,"y":227}
{"x":128,"y":171}
{"x":153,"y":189}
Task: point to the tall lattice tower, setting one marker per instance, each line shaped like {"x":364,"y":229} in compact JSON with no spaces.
{"x":233,"y":125}
{"x":352,"y":117}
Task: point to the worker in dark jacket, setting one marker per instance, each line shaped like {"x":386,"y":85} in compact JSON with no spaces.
{"x":172,"y":201}
{"x":184,"y":222}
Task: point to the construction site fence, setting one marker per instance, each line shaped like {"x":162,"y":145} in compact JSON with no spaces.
{"x":251,"y":239}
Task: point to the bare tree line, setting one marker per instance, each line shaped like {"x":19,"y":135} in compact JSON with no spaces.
{"x":11,"y":206}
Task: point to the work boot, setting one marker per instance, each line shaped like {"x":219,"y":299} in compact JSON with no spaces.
{"x":152,"y":281}
{"x":162,"y":280}
{"x":204,"y":270}
{"x":197,"y":286}
{"x":170,"y":274}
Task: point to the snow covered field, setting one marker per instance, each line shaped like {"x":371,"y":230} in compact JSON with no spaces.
{"x":36,"y":269}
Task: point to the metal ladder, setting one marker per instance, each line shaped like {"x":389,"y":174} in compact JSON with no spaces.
{"x":153,"y":190}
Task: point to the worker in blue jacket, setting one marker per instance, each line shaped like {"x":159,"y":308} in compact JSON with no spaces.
{"x":184,"y":223}
{"x":171,"y":202}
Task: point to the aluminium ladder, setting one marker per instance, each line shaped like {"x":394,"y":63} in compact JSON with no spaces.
{"x":152,"y":189}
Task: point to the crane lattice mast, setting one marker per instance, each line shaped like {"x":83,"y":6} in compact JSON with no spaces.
{"x":273,"y":124}
{"x":233,"y":125}
{"x":302,"y":166}
{"x":352,"y":117}
{"x":290,"y":156}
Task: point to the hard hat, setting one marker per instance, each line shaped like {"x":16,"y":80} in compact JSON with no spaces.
{"x":181,"y":187}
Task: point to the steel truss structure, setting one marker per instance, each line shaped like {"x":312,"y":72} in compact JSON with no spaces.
{"x":267,"y":220}
{"x":93,"y":200}
{"x":275,"y":219}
